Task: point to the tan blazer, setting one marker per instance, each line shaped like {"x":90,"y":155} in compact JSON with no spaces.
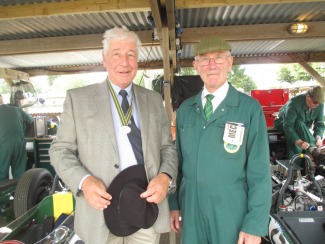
{"x":85,"y":144}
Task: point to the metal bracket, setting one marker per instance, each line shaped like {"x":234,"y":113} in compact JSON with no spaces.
{"x":166,"y":83}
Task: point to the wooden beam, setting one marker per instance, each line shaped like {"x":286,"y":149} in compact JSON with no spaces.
{"x":174,"y":60}
{"x":10,"y":82}
{"x":63,"y":44}
{"x":72,"y":7}
{"x":181,"y":4}
{"x":259,"y":32}
{"x":95,"y":6}
{"x":156,"y":14}
{"x":13,"y":74}
{"x":170,"y":10}
{"x":300,"y":59}
{"x":166,"y":65}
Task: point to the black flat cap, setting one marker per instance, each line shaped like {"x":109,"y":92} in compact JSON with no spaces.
{"x":128,"y":212}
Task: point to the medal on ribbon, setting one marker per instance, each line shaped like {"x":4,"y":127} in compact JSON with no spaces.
{"x":125,"y":119}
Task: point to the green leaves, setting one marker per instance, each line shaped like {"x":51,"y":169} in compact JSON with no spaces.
{"x":291,"y":73}
{"x":239,"y":79}
{"x":4,"y":88}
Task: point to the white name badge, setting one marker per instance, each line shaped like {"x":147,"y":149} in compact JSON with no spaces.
{"x":124,"y":129}
{"x":234,"y":133}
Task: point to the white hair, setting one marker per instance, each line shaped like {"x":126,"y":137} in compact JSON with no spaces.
{"x":228,"y":55}
{"x":120,"y":34}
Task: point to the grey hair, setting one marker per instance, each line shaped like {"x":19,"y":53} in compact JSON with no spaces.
{"x":120,"y":34}
{"x":228,"y":55}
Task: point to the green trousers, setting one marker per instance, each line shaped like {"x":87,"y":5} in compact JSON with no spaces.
{"x":212,"y":214}
{"x":12,"y":153}
{"x":305,"y":135}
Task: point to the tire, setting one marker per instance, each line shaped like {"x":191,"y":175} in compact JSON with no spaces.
{"x":32,"y":188}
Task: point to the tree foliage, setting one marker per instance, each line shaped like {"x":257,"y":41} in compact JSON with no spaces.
{"x":187,"y":71}
{"x":238,"y":79}
{"x":139,"y":79}
{"x":291,"y":73}
{"x":62,"y":84}
{"x":58,"y":83}
{"x":52,"y":78}
{"x":4,"y":88}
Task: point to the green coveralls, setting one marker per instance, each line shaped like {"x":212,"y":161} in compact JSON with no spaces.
{"x":50,"y":130}
{"x":12,"y":141}
{"x":295,"y":121}
{"x":221,"y":193}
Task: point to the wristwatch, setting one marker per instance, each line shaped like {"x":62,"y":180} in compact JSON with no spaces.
{"x":172,"y":184}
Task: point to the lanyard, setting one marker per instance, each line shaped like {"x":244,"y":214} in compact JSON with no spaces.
{"x":124,"y":119}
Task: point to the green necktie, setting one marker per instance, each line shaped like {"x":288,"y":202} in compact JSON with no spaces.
{"x":208,"y":110}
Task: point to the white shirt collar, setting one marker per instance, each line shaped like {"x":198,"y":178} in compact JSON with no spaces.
{"x":219,"y":94}
{"x":127,"y":89}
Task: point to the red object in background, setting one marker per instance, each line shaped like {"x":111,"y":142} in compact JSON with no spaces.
{"x":271,"y":101}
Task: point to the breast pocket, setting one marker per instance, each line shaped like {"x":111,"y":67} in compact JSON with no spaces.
{"x":186,"y":137}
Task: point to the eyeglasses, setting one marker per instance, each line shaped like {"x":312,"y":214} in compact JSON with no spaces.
{"x":312,"y":99}
{"x":206,"y":60}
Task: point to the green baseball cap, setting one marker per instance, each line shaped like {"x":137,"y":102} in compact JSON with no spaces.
{"x":318,"y":94}
{"x":211,"y":44}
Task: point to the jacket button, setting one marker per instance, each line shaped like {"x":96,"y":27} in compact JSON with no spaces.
{"x":116,"y":166}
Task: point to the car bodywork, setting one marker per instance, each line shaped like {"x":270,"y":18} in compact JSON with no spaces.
{"x":31,"y":227}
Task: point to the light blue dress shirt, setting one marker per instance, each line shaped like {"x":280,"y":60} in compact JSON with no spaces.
{"x":125,"y":151}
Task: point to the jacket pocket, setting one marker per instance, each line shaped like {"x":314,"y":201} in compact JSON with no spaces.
{"x":186,"y":137}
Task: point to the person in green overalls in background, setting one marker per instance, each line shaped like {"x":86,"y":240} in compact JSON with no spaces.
{"x":224,"y":180}
{"x":12,"y":140}
{"x":52,"y":127}
{"x":295,"y":119}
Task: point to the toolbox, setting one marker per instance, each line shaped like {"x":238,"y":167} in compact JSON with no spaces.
{"x":271,"y":101}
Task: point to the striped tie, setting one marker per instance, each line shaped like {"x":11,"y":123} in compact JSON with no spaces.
{"x":208,"y":110}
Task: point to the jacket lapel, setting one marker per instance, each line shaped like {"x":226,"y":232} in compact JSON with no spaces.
{"x":102,"y":100}
{"x":142,"y":106}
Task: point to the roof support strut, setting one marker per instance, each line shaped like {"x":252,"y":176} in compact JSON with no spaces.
{"x":310,"y":70}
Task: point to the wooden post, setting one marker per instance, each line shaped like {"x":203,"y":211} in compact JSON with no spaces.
{"x":166,"y":63}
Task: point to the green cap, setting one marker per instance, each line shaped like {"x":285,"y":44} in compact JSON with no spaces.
{"x":318,"y":94}
{"x":211,"y":44}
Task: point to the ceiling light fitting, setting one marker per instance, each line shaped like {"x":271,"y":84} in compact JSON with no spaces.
{"x":297,"y":28}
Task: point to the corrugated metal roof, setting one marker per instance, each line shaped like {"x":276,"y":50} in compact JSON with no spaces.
{"x":268,"y":47}
{"x":4,"y":3}
{"x":95,"y":23}
{"x":95,"y":57}
{"x":251,"y":14}
{"x":70,"y":58}
{"x":76,"y":24}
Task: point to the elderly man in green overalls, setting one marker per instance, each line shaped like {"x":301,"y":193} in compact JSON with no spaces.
{"x":295,"y":119}
{"x":224,"y":182}
{"x":12,"y":141}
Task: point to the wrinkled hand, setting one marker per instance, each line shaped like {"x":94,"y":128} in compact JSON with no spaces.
{"x":157,"y":189}
{"x":95,"y":193}
{"x":302,"y":144}
{"x":174,"y":220}
{"x":318,"y":142}
{"x":248,"y":239}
